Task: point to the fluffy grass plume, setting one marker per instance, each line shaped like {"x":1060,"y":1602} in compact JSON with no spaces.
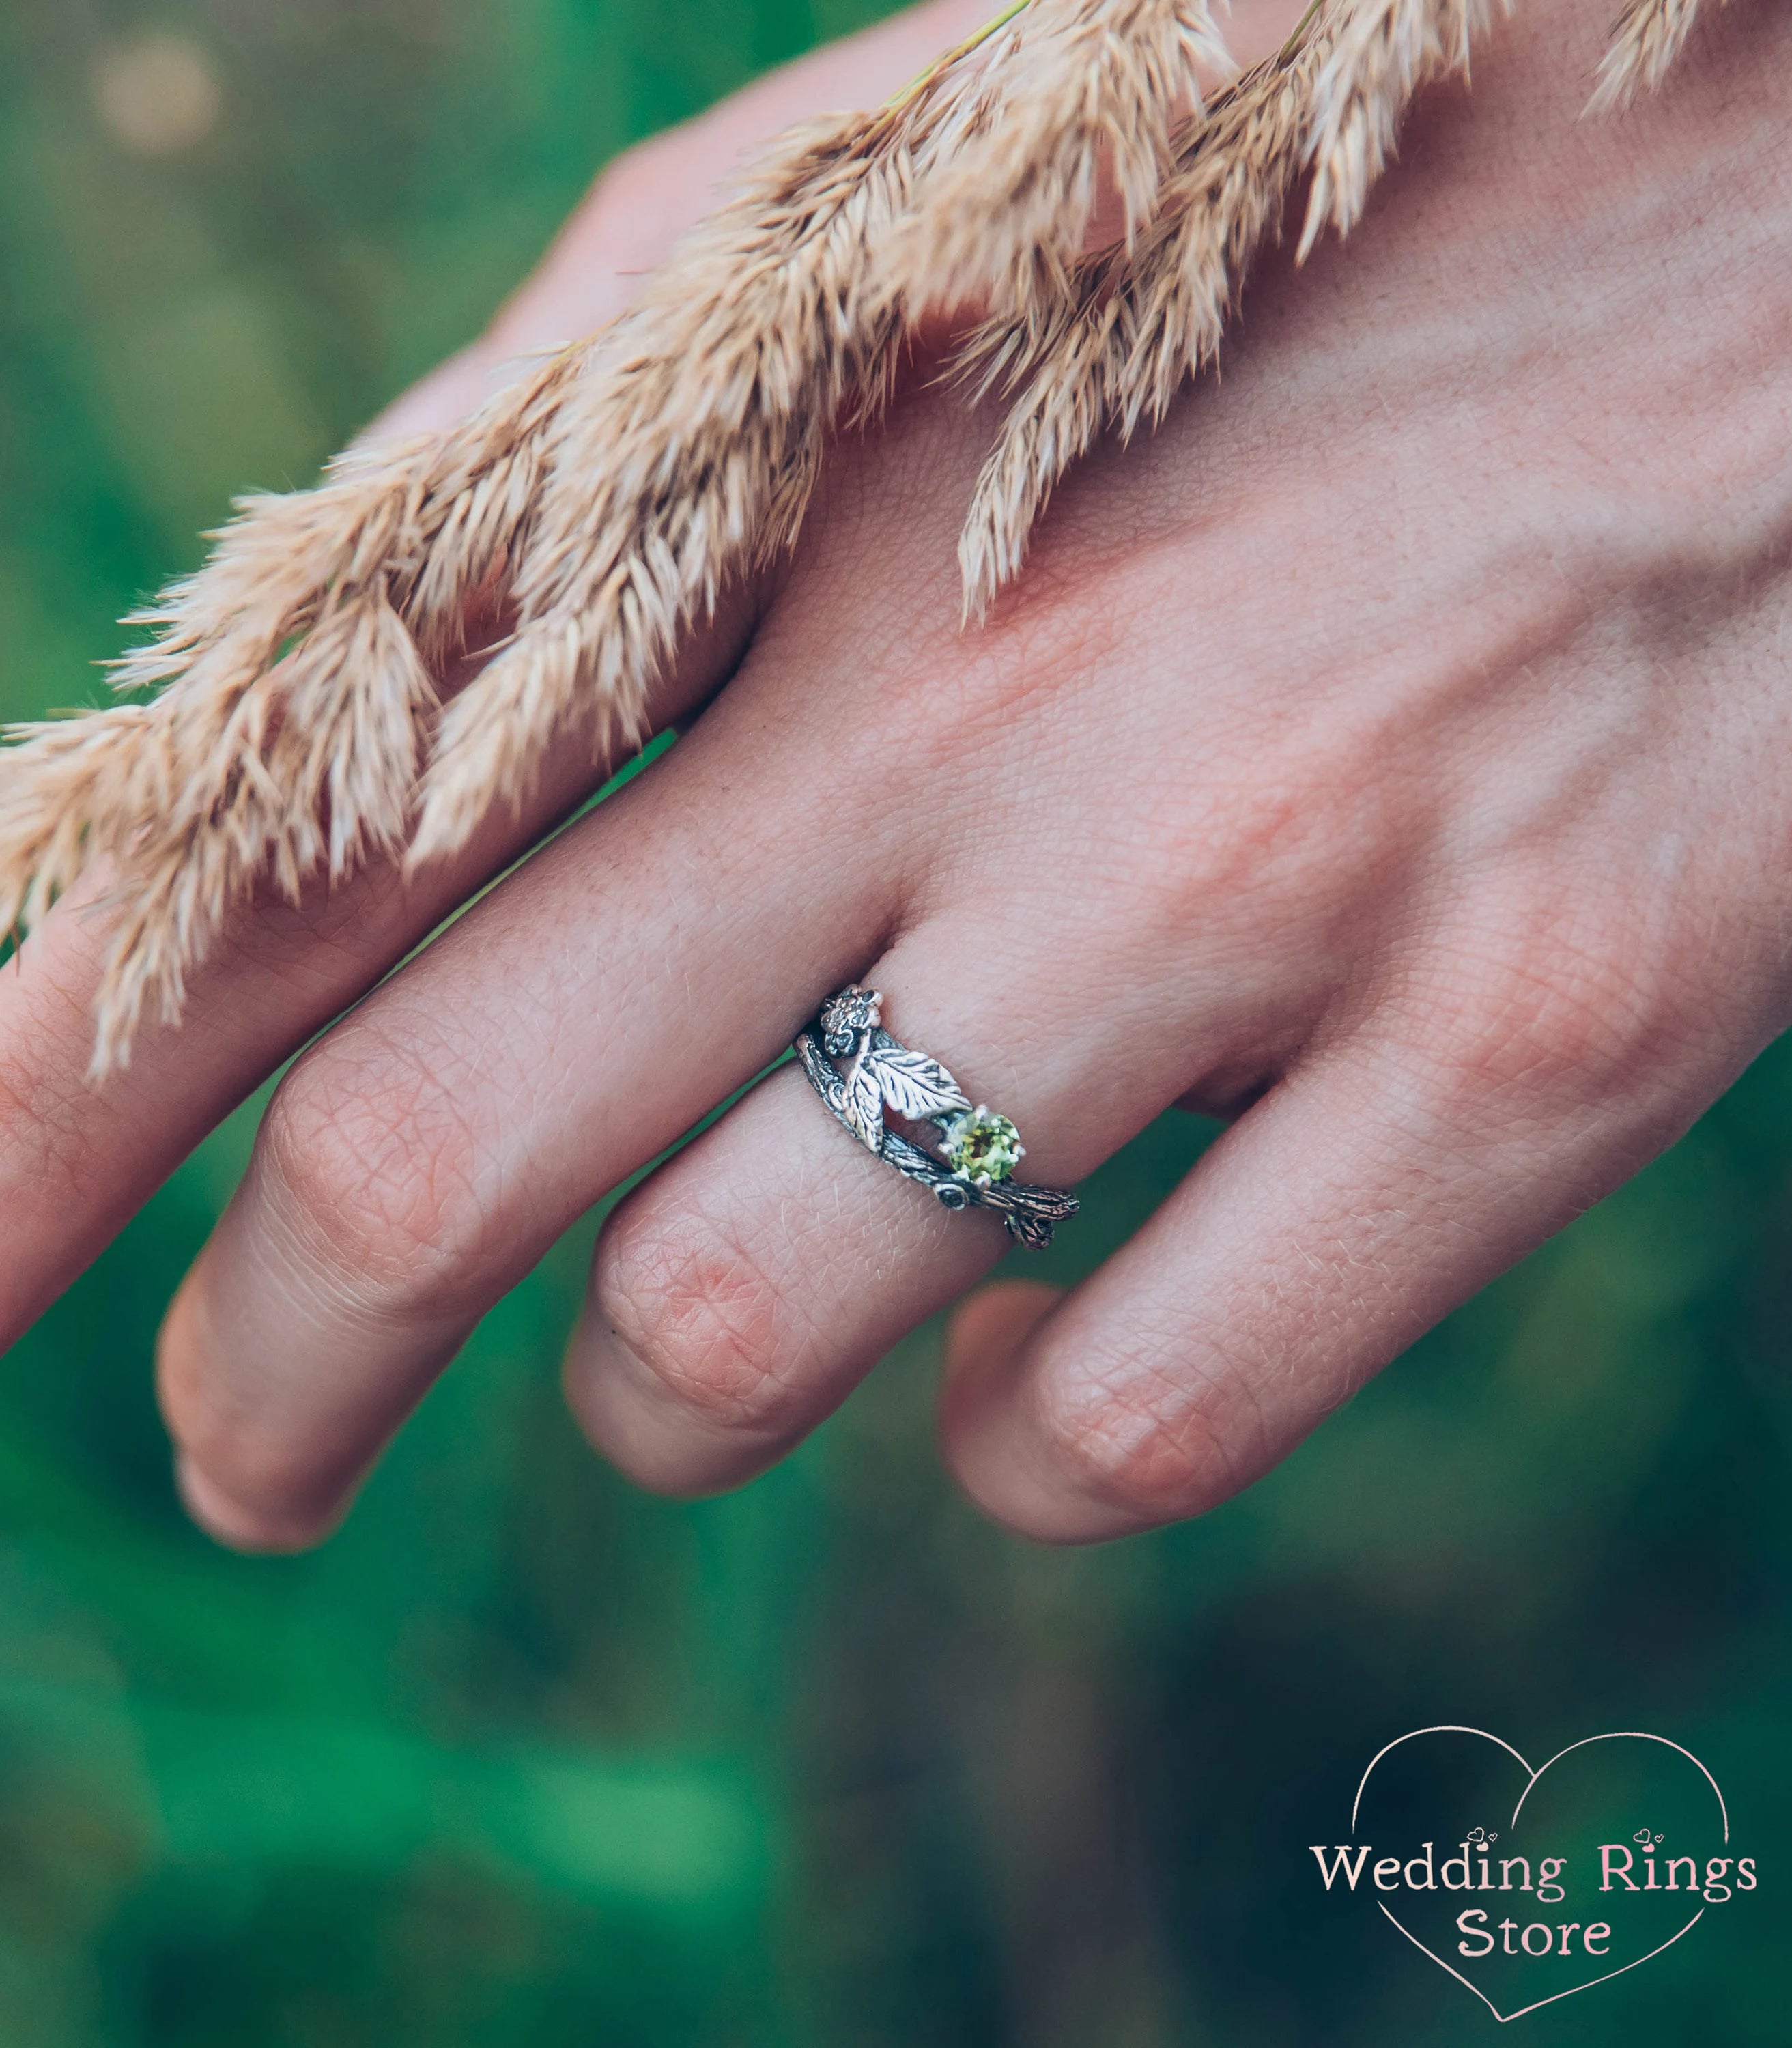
{"x":1381,"y":53}
{"x":685,"y":451}
{"x":1073,"y":96}
{"x":601,"y":503}
{"x":1130,"y":326}
{"x":1110,"y":351}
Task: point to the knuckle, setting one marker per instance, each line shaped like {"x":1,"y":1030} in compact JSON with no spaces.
{"x":1285,"y":819}
{"x":1544,"y":1031}
{"x":370,"y":1162}
{"x":1148,"y":1443}
{"x":1563,"y":1015}
{"x":697,"y":1307}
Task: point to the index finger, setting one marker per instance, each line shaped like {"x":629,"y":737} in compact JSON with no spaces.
{"x":77,"y":1160}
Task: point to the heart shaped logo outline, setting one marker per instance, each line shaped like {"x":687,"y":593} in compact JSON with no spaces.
{"x":1612,"y":1735}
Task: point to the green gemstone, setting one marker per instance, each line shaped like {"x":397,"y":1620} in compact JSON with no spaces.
{"x":981,"y":1146}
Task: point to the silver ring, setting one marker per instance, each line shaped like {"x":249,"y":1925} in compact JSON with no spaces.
{"x":980,"y":1150}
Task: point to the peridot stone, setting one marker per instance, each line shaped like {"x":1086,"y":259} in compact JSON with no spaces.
{"x":981,"y":1146}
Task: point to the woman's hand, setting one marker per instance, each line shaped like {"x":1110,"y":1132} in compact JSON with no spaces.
{"x":1391,"y":753}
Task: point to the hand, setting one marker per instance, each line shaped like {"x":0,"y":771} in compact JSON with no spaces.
{"x":1388,"y":754}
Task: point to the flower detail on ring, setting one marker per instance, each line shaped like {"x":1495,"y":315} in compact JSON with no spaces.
{"x":847,"y":1017}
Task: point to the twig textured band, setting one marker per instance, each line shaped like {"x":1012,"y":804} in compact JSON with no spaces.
{"x":981,"y":1149}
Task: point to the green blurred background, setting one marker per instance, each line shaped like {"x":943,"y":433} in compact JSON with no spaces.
{"x":523,"y":1756}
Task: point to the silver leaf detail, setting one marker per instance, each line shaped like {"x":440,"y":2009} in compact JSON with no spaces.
{"x":862,"y":1104}
{"x":914,"y":1085}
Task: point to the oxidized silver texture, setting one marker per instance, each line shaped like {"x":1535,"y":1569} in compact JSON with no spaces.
{"x":879,"y":1073}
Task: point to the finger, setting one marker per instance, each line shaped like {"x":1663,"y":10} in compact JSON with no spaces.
{"x":740,"y":1293}
{"x":635,"y":1412}
{"x":77,"y":1160}
{"x":1360,"y":1202}
{"x":76,"y":1163}
{"x":735,"y":1378}
{"x":419,"y":1160}
{"x":89,"y":1159}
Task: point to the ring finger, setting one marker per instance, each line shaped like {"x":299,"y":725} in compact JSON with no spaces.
{"x":741,"y":1293}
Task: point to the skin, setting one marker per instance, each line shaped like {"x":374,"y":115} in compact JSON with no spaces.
{"x":1386,"y":755}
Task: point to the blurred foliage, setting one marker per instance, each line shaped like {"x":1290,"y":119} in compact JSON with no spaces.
{"x":522,"y":1756}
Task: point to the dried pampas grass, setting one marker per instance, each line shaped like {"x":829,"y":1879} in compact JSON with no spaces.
{"x":684,"y":453}
{"x":1075,"y":89}
{"x":602,"y":504}
{"x":1382,"y":52}
{"x":1115,"y":347}
{"x":1646,"y":38}
{"x":1109,"y":352}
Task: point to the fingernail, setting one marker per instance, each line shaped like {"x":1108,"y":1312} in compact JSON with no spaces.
{"x":228,"y":1521}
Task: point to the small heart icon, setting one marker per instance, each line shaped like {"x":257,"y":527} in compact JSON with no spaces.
{"x":1575,"y":1893}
